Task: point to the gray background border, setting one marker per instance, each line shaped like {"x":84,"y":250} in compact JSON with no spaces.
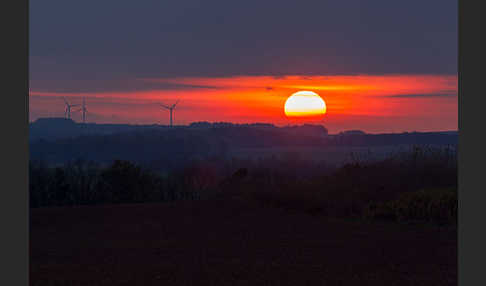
{"x":14,"y":214}
{"x":472,"y":193}
{"x":472,"y":144}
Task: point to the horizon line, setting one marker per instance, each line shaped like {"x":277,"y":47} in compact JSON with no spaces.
{"x":248,"y":123}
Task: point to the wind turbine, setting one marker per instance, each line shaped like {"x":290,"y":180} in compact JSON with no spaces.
{"x":171,"y":109}
{"x":67,"y":112}
{"x":84,"y":109}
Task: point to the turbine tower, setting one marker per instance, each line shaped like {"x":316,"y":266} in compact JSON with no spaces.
{"x":171,"y":109}
{"x":84,"y":109}
{"x":67,"y":112}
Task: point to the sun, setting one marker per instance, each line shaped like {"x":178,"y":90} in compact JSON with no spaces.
{"x":305,"y":104}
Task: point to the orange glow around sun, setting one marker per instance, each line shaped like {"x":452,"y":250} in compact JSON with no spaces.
{"x":304,"y":104}
{"x":373,"y":103}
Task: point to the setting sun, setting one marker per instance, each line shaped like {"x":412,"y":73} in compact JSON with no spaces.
{"x":304,"y":104}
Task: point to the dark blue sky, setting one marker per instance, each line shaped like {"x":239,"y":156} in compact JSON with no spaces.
{"x":97,"y":45}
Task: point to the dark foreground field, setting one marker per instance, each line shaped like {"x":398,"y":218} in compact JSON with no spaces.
{"x":231,"y":242}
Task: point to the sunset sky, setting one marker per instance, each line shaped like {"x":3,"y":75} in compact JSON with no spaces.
{"x":379,"y":66}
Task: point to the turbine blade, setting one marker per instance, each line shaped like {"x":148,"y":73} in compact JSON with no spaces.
{"x":164,"y":106}
{"x":65,"y":100}
{"x":175,"y":103}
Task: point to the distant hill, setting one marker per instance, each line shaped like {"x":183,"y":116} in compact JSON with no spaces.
{"x":53,"y":128}
{"x":406,"y":138}
{"x":61,"y":140}
{"x":62,"y":128}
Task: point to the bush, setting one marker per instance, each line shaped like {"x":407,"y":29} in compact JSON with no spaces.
{"x":85,"y":183}
{"x":384,"y":189}
{"x":426,"y":205}
{"x":126,"y":182}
